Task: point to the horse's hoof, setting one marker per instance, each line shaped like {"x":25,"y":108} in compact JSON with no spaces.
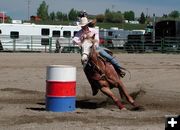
{"x":135,"y":104}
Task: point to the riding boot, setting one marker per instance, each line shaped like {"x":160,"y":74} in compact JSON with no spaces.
{"x":120,"y":72}
{"x":118,"y":67}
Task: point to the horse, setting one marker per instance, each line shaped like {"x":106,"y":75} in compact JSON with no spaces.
{"x":102,"y":75}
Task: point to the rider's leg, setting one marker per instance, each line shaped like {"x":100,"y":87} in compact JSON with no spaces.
{"x":114,"y":62}
{"x":103,"y":53}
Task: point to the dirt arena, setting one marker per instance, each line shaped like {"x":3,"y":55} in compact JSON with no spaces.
{"x":154,"y":83}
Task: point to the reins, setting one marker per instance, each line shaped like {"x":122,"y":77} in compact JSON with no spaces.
{"x":96,"y":65}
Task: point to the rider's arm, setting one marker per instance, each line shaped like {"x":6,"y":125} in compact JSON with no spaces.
{"x":77,"y":38}
{"x":96,"y":36}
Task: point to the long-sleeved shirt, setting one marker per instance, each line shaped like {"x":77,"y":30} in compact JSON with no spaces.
{"x":78,"y":38}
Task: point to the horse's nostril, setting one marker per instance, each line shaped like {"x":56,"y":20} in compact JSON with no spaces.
{"x":84,"y":58}
{"x":84,"y":61}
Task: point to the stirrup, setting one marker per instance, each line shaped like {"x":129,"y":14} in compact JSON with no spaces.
{"x":122,"y":74}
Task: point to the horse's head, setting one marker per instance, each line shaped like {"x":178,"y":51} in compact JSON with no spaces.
{"x":86,"y":49}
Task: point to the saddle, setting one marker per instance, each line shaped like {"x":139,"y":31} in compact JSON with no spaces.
{"x":119,"y":71}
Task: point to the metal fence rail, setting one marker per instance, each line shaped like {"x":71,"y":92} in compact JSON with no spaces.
{"x":34,"y":43}
{"x":138,"y":44}
{"x":25,"y":43}
{"x":162,"y":45}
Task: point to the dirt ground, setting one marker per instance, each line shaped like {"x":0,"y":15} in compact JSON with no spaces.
{"x":154,"y":83}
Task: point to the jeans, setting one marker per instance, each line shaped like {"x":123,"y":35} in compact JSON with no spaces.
{"x":113,"y":61}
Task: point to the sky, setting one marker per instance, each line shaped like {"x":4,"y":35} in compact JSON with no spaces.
{"x":18,"y":9}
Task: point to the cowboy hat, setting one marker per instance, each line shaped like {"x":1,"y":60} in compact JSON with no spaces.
{"x":84,"y":21}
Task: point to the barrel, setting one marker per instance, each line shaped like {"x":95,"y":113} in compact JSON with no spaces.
{"x":60,"y":88}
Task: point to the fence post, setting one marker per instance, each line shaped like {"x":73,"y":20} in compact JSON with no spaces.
{"x":14,"y":45}
{"x":162,"y":45}
{"x":31,"y":43}
{"x":50,"y":44}
{"x":143,"y":40}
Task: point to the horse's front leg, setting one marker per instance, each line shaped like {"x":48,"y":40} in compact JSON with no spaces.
{"x":106,"y":90}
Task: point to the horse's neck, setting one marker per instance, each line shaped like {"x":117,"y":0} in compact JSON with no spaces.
{"x":94,"y":56}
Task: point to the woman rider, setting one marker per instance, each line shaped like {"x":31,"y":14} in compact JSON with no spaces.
{"x":89,"y":32}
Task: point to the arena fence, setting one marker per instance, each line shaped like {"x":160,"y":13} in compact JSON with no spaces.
{"x":65,"y":45}
{"x":36,"y":44}
{"x":161,"y":45}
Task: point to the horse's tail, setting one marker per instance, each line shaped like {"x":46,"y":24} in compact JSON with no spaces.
{"x":127,"y":71}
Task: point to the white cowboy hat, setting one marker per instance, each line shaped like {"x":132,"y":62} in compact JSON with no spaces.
{"x":84,"y":21}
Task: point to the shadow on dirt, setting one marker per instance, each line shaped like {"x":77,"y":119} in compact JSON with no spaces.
{"x":90,"y":104}
{"x":82,"y":104}
{"x":36,"y":109}
{"x":37,"y":98}
{"x":41,"y":108}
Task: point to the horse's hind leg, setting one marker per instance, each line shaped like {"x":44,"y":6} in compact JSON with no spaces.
{"x":106,"y":90}
{"x":123,"y":89}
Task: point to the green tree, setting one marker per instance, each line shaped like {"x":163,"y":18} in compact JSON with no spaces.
{"x":59,"y":16}
{"x":174,"y":14}
{"x":113,"y":17}
{"x":73,"y":14}
{"x":129,"y":15}
{"x":117,"y":17}
{"x":100,"y":18}
{"x":108,"y":17}
{"x":107,"y":11}
{"x":52,"y":16}
{"x":42,"y":11}
{"x":165,"y":16}
{"x":142,"y":18}
{"x":65,"y":17}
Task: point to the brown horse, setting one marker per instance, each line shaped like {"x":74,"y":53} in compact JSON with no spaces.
{"x":102,"y":75}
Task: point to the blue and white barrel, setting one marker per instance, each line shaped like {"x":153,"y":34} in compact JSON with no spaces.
{"x":60,"y":88}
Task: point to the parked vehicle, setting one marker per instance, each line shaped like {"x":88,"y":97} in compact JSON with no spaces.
{"x":28,"y":37}
{"x":164,"y":36}
{"x":114,"y":37}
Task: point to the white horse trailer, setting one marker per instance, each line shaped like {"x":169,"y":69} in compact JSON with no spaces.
{"x":118,"y":37}
{"x":32,"y":37}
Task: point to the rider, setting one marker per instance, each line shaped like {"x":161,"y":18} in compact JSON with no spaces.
{"x":83,"y":13}
{"x":89,"y":32}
